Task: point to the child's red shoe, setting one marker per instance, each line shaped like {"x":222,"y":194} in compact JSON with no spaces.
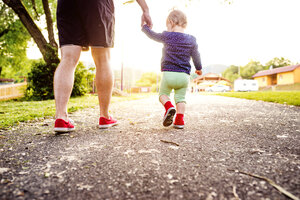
{"x":179,"y":122}
{"x":62,"y":126}
{"x":106,"y":123}
{"x":169,"y":115}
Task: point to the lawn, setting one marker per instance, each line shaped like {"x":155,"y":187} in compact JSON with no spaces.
{"x":12,"y":112}
{"x":282,"y":97}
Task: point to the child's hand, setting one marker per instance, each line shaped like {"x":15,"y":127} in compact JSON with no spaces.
{"x":146,"y":19}
{"x":199,"y":72}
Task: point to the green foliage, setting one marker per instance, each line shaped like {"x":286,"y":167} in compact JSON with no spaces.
{"x":148,"y":79}
{"x":80,"y":83}
{"x":288,"y":97}
{"x":247,"y":71}
{"x":40,"y":81}
{"x":13,"y":112}
{"x":35,"y":8}
{"x":250,"y":69}
{"x":278,"y":62}
{"x":14,"y":38}
{"x":13,"y":41}
{"x":231,"y":73}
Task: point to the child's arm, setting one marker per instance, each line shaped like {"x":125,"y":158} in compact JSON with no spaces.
{"x":151,"y":34}
{"x":196,"y":59}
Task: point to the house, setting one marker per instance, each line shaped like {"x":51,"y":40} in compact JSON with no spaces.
{"x":140,"y":89}
{"x":209,"y":79}
{"x":4,"y":81}
{"x":278,"y":76}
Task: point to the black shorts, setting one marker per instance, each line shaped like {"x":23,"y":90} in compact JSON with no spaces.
{"x":86,"y":22}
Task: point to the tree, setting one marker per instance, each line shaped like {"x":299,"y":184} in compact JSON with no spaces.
{"x":48,"y":48}
{"x":13,"y":59}
{"x":148,"y":79}
{"x":231,"y":73}
{"x":250,"y":69}
{"x":278,"y":62}
{"x":13,"y":40}
{"x":39,"y":87}
{"x":29,"y":13}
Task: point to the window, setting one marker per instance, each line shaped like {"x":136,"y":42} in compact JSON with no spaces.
{"x":280,"y":77}
{"x":264,"y":79}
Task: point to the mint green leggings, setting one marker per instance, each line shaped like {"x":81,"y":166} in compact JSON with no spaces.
{"x":178,"y":81}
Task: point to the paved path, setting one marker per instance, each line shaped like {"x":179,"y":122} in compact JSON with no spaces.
{"x":131,"y":161}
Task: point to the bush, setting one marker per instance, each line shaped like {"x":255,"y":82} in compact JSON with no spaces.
{"x":40,"y":81}
{"x":118,"y":93}
{"x":80,"y":83}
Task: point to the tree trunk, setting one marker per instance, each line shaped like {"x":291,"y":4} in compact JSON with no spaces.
{"x":49,"y":23}
{"x":48,"y":51}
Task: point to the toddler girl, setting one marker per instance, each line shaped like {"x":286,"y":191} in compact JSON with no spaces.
{"x":178,"y":50}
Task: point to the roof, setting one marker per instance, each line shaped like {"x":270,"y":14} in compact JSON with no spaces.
{"x":6,"y":80}
{"x":210,"y":76}
{"x":276,"y":70}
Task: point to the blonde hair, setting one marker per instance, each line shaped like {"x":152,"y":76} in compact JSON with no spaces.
{"x":178,"y":18}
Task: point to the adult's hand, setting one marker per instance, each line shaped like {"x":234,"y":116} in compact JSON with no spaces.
{"x":146,"y":19}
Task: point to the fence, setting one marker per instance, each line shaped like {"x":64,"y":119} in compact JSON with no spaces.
{"x":12,"y":91}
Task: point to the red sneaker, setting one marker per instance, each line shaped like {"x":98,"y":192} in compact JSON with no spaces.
{"x":106,"y":123}
{"x":179,"y":122}
{"x":169,"y":115}
{"x":62,"y":126}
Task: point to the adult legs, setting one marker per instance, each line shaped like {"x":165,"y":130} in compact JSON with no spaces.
{"x":104,"y":78}
{"x":64,"y":79}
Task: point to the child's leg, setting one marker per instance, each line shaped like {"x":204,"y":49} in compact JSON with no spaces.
{"x":164,"y":90}
{"x":180,"y":102}
{"x":163,"y":99}
{"x":180,"y":107}
{"x":179,"y":119}
{"x":164,"y":93}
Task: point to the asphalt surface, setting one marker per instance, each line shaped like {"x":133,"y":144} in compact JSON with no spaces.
{"x":141,"y":159}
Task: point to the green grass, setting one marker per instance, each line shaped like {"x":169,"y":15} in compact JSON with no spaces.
{"x":289,"y":87}
{"x":12,"y":112}
{"x":282,"y":97}
{"x":294,"y":87}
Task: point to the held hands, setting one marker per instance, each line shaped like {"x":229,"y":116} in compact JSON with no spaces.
{"x":146,"y":19}
{"x":199,"y":72}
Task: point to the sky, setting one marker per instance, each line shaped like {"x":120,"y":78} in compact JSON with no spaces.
{"x":229,"y":34}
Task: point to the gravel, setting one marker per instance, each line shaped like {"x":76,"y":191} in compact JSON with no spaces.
{"x":141,"y":159}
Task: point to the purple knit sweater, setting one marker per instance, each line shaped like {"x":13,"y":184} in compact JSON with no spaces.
{"x":178,"y":50}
